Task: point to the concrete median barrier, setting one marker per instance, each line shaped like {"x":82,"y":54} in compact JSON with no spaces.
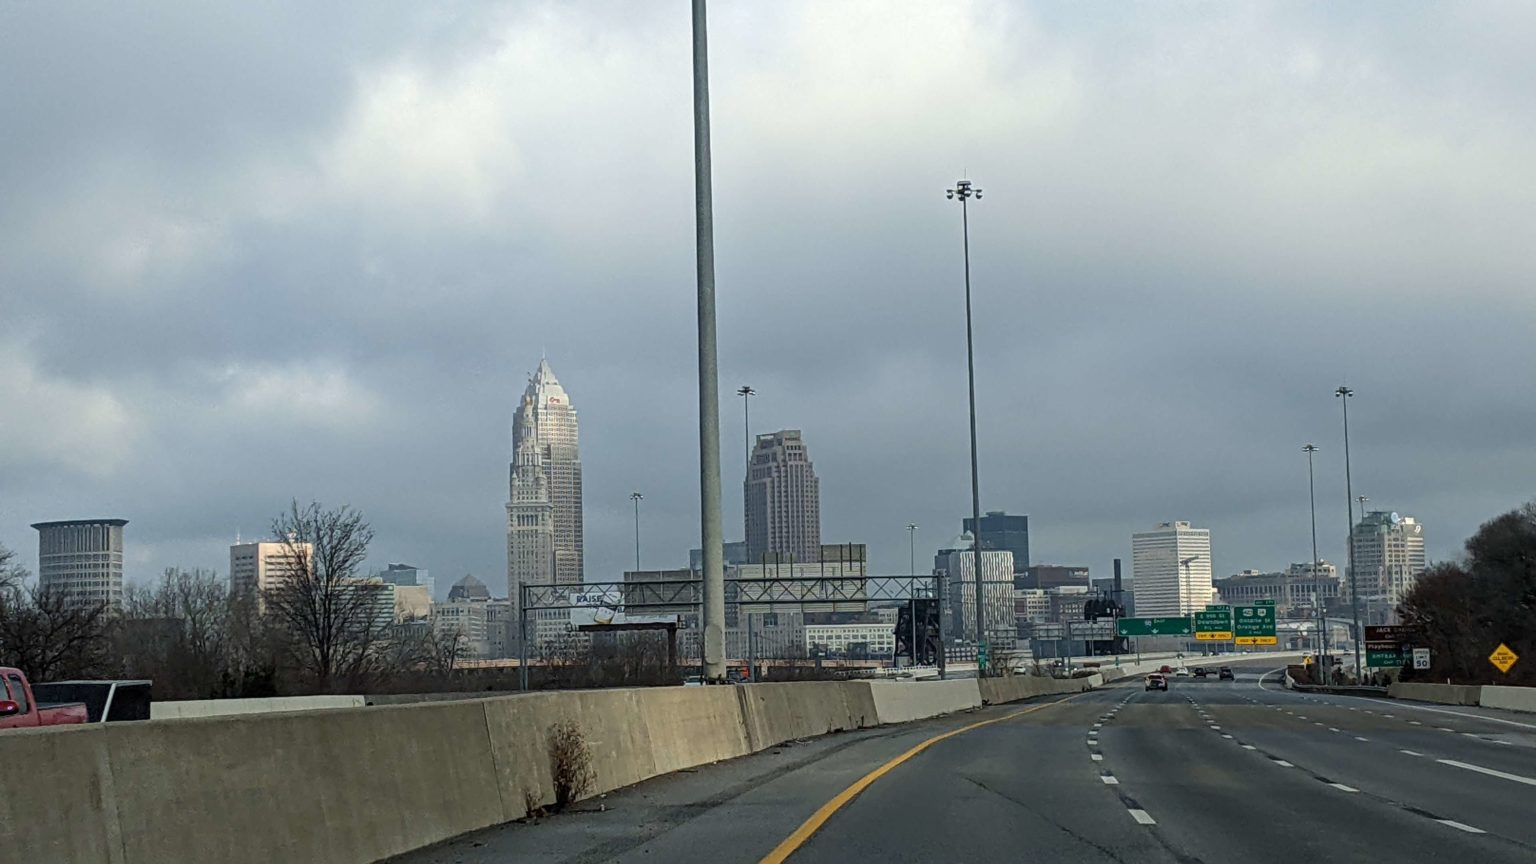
{"x":775,"y":713}
{"x":903,"y":701}
{"x":223,"y":707}
{"x":1508,"y":698}
{"x":1442,"y":694}
{"x":58,"y":802}
{"x":351,"y":785}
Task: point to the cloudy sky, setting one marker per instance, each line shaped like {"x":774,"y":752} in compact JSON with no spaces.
{"x":251,"y":253}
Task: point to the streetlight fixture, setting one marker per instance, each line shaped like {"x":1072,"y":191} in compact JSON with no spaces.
{"x":711,"y":531}
{"x":1317,"y":579}
{"x":1344,"y":394}
{"x":964,"y":191}
{"x":637,"y":498}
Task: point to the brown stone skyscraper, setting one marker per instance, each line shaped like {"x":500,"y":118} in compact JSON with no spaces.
{"x":783,"y":499}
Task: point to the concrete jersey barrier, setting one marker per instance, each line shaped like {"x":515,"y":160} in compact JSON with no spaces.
{"x":222,"y":707}
{"x":1508,"y":698}
{"x":1442,"y":694}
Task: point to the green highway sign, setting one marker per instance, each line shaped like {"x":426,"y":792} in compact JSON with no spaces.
{"x":1154,"y":627}
{"x":1254,"y":625}
{"x":1384,"y":655}
{"x":1214,"y":624}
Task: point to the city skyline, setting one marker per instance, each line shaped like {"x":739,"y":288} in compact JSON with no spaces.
{"x":1156,"y":333}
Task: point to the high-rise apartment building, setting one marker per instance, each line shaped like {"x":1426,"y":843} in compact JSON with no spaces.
{"x":1003,"y":532}
{"x":783,"y":499}
{"x":1172,"y":568}
{"x":410,"y":574}
{"x":82,"y":559}
{"x":258,"y":567}
{"x":1389,"y":558}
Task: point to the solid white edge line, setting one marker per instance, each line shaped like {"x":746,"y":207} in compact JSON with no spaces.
{"x":1142,"y":816}
{"x":1461,"y":826}
{"x":1491,"y":772}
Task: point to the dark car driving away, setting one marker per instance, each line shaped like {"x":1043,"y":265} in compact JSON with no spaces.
{"x":1225,"y":674}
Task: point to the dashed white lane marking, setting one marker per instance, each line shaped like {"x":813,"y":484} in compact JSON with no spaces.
{"x":1342,"y":788}
{"x":1143,"y":817}
{"x":1109,"y":780}
{"x":1316,"y":723}
{"x":1333,"y":728}
{"x":1389,"y":716}
{"x":1358,"y":738}
{"x":1505,"y":743}
{"x":1097,"y":757}
{"x":1283,"y":764}
{"x":1445,"y":729}
{"x":1249,"y":747}
{"x":1097,"y":725}
{"x":1415,"y":723}
{"x":1461,"y":826}
{"x":1225,"y":735}
{"x":1491,"y":772}
{"x":1217,"y":728}
{"x":1410,"y":753}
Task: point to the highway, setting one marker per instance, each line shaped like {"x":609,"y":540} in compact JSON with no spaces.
{"x":1210,"y":771}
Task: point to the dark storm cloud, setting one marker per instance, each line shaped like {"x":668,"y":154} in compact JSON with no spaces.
{"x":253,"y":255}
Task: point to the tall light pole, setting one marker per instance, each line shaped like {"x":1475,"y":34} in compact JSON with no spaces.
{"x":746,"y":393}
{"x":1344,"y":394}
{"x":637,"y":498}
{"x":1317,"y":579}
{"x":912,"y":583}
{"x":965,"y":191}
{"x":711,"y":534}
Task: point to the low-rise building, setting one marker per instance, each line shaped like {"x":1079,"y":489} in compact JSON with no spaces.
{"x":874,"y":640}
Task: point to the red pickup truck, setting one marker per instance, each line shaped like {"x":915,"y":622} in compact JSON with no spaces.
{"x":19,"y":710}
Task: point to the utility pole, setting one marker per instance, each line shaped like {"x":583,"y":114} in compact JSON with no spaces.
{"x":710,"y":530}
{"x":746,"y":393}
{"x":965,"y":191}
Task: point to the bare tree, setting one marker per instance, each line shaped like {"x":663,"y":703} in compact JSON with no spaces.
{"x":331,"y":613}
{"x":179,"y":633}
{"x":49,"y":636}
{"x":12,"y":574}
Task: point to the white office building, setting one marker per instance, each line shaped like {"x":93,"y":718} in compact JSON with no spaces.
{"x":1172,"y":568}
{"x":258,"y":567}
{"x":1389,"y":559}
{"x":876,"y":640}
{"x":957,"y":563}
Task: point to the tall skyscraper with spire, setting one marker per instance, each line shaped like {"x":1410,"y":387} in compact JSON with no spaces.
{"x":544,"y":526}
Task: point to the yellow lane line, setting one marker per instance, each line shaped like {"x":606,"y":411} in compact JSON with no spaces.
{"x":809,"y":827}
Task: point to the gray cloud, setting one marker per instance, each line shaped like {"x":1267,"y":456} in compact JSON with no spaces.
{"x":246,"y":257}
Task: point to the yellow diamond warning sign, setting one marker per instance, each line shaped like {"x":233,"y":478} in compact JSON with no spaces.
{"x":1503,"y":658}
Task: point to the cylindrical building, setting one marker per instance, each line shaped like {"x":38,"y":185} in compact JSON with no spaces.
{"x":83,"y":559}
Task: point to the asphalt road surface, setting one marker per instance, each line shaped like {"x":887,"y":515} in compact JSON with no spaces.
{"x":1210,"y":771}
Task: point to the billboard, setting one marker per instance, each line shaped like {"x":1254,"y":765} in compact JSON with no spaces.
{"x":604,"y":607}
